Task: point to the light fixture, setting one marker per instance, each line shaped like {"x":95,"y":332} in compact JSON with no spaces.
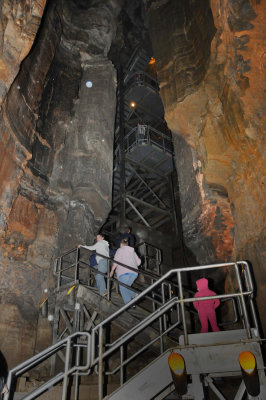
{"x":249,"y":371}
{"x":89,"y":84}
{"x":179,"y":373}
{"x":132,"y":104}
{"x":152,"y":61}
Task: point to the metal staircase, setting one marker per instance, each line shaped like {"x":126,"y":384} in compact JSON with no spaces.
{"x":149,"y":338}
{"x":143,"y":153}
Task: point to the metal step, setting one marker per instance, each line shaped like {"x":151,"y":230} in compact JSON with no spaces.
{"x":126,"y":320}
{"x":148,"y":383}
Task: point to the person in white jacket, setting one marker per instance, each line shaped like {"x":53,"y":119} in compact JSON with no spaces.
{"x":126,"y":255}
{"x":102,"y":248}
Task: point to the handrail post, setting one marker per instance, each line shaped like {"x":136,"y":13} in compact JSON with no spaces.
{"x":245,"y":314}
{"x":250,"y":286}
{"x":182,"y":306}
{"x":121,"y":365}
{"x":108,"y":279}
{"x":77,"y":264}
{"x":76,"y":393}
{"x":163,"y":302}
{"x":60,"y":273}
{"x":100,"y":372}
{"x":65,"y":380}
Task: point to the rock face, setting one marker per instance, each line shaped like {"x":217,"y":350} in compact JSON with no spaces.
{"x":211,"y":86}
{"x":19,"y":23}
{"x":56,"y":145}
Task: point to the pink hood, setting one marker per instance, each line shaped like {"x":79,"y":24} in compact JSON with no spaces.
{"x":202,"y":284}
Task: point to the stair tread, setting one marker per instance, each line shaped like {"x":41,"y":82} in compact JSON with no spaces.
{"x":126,"y":320}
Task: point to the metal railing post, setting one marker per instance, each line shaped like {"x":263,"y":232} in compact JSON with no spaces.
{"x":76,"y":396}
{"x":250,"y":286}
{"x":101,"y":369}
{"x":121,"y":365}
{"x":182,"y":306}
{"x":242,"y":299}
{"x":77,"y":265}
{"x":59,"y":274}
{"x":163,"y":302}
{"x":65,"y":380}
{"x":161,"y":334}
{"x":108,"y":278}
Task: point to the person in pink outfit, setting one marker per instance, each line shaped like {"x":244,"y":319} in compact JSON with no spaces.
{"x":206,"y":308}
{"x":126,"y":255}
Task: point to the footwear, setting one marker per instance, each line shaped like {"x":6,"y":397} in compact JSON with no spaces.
{"x":105,"y":294}
{"x":133,"y":307}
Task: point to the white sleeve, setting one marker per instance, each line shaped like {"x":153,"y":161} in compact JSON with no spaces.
{"x":93,"y":247}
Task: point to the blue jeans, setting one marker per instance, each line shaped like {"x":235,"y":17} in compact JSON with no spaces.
{"x":102,"y":267}
{"x":128,"y":280}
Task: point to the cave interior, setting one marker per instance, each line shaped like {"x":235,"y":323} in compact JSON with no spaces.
{"x":145,"y":114}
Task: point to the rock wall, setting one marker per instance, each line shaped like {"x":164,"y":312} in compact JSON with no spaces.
{"x":19,"y":23}
{"x":56,"y":171}
{"x":211,"y":83}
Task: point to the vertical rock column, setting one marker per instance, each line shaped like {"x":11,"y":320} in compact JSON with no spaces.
{"x":81,"y":180}
{"x":57,"y":141}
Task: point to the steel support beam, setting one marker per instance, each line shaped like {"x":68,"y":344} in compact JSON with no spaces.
{"x":144,"y":203}
{"x":122,"y":151}
{"x":137,"y":212}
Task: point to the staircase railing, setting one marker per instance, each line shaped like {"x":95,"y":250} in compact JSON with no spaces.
{"x":169,"y":315}
{"x":73,"y":267}
{"x":71,"y":367}
{"x":175,"y":305}
{"x":76,"y":270}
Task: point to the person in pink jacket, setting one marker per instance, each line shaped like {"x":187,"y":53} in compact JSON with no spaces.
{"x":126,"y":255}
{"x":206,"y":308}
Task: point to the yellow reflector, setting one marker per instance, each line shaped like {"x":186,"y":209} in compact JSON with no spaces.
{"x":176,"y":363}
{"x":43,"y":302}
{"x":247,"y":361}
{"x":70,"y":290}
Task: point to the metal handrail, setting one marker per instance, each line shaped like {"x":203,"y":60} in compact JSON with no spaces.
{"x":96,"y":353}
{"x":99,"y":329}
{"x":141,"y":77}
{"x":183,"y":300}
{"x":25,"y":366}
{"x":58,"y":270}
{"x":135,"y":136}
{"x":171,"y":284}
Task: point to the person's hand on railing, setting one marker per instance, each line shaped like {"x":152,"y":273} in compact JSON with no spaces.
{"x":5,"y":389}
